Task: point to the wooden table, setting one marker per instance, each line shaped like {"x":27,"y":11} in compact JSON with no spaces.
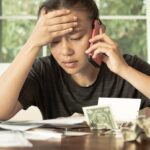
{"x":93,"y":141}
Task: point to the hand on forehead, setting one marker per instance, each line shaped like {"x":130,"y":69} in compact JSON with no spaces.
{"x":82,"y":17}
{"x":84,"y":23}
{"x":60,"y":20}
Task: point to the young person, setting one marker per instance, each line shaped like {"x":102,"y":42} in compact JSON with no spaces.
{"x":65,"y":81}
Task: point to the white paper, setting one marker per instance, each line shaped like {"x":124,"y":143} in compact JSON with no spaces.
{"x":43,"y":134}
{"x":123,"y":109}
{"x":13,"y":139}
{"x":26,"y":125}
{"x":50,"y":134}
{"x":75,"y":133}
{"x":18,"y":125}
{"x":71,"y":120}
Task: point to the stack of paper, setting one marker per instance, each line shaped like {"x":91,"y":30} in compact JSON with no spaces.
{"x":13,"y":139}
{"x":19,"y":131}
{"x":19,"y":125}
{"x":43,"y":134}
{"x":71,"y":120}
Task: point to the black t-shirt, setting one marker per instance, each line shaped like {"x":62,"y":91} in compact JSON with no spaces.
{"x":54,"y":92}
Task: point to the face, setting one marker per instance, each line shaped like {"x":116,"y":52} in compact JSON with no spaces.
{"x":69,"y":50}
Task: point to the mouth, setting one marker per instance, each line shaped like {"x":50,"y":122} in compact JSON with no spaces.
{"x":70,"y":64}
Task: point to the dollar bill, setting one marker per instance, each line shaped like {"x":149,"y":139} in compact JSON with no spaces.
{"x":99,"y":117}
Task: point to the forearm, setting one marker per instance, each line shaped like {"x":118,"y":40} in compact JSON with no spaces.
{"x":11,"y":81}
{"x":138,"y":79}
{"x":49,"y":26}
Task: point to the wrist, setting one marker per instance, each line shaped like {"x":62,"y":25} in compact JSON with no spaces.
{"x":125,"y":71}
{"x":29,"y":48}
{"x":32,"y":44}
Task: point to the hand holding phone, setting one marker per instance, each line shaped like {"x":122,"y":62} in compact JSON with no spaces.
{"x":97,"y":61}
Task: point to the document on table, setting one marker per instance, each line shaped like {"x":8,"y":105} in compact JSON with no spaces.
{"x":123,"y":109}
{"x":63,"y":122}
{"x":75,"y":133}
{"x":71,"y":120}
{"x":50,"y":134}
{"x":13,"y":139}
{"x":19,"y":125}
{"x":43,"y":134}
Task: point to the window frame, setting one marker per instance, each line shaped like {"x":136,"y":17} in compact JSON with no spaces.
{"x":106,"y":17}
{"x":145,"y":17}
{"x":148,"y":28}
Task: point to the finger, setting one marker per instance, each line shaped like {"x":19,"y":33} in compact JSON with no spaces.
{"x":60,"y":27}
{"x":62,"y":19}
{"x":108,"y":39}
{"x":58,"y":13}
{"x":102,"y":50}
{"x":61,"y":33}
{"x":98,"y":45}
{"x":102,"y":37}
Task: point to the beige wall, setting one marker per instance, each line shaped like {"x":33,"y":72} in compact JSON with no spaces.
{"x":32,"y":113}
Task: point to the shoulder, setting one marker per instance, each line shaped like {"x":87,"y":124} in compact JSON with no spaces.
{"x":134,"y":60}
{"x":43,"y":66}
{"x":131,"y":59}
{"x":44,"y":63}
{"x":137,"y":63}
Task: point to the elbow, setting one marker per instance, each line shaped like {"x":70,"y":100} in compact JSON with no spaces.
{"x":5,"y":117}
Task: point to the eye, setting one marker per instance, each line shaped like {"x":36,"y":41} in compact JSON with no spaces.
{"x":76,"y":38}
{"x":55,"y":42}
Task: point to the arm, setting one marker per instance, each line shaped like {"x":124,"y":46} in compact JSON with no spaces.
{"x":116,"y":63}
{"x":13,"y":78}
{"x":138,"y":79}
{"x":48,"y":26}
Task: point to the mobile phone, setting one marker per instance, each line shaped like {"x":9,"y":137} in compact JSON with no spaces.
{"x":95,"y":31}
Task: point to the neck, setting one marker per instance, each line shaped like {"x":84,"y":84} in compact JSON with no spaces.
{"x":86,"y":78}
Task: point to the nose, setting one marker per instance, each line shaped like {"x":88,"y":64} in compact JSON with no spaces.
{"x":66,"y":48}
